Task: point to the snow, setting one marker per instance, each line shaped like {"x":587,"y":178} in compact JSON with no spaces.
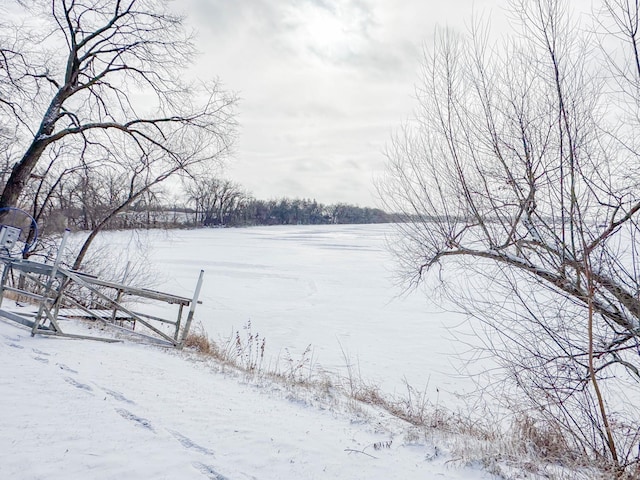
{"x":85,"y":409}
{"x":75,"y":409}
{"x":331,"y":287}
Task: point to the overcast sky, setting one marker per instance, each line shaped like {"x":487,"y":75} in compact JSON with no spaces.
{"x":323,"y":85}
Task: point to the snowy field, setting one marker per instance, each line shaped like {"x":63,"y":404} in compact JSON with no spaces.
{"x":331,"y":287}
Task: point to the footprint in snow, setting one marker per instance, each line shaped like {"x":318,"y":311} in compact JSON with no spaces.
{"x":41,"y":359}
{"x":39,"y":352}
{"x":15,"y":345}
{"x":139,"y":421}
{"x":65,"y":368}
{"x":208,"y":471}
{"x":186,"y":442}
{"x":118,"y":396}
{"x":77,"y":384}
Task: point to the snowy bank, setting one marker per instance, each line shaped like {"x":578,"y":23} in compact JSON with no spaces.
{"x":82,"y":409}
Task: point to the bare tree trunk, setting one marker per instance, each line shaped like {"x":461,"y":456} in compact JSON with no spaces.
{"x":20,"y":175}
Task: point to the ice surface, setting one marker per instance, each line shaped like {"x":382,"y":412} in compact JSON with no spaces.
{"x":331,"y":286}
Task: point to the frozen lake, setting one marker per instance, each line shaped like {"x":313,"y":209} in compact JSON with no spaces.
{"x":329,"y":286}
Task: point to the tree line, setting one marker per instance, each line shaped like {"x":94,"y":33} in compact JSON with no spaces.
{"x":216,"y":202}
{"x":525,"y":152}
{"x":219,"y":202}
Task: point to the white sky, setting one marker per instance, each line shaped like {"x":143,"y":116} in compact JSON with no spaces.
{"x":323,"y":84}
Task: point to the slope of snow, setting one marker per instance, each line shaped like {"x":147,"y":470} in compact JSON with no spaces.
{"x":75,"y":409}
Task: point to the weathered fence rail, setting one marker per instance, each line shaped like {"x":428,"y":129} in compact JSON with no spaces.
{"x":61,"y":293}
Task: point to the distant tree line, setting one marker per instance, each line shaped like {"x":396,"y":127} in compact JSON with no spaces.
{"x":286,"y":211}
{"x":81,"y":201}
{"x":219,"y":202}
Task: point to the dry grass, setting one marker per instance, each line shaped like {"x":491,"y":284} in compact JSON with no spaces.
{"x":523,"y":448}
{"x":542,"y":439}
{"x":199,"y":341}
{"x":16,"y":297}
{"x":245,"y":352}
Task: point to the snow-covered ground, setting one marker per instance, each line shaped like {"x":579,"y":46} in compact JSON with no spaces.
{"x":75,"y":409}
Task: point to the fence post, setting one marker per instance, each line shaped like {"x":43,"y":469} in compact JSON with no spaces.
{"x":5,"y":273}
{"x":49,"y":285}
{"x":192,"y":309}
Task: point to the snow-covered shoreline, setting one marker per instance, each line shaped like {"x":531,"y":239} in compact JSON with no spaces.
{"x":82,"y":409}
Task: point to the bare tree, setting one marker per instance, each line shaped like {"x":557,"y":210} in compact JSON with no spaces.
{"x":215,"y":199}
{"x":45,"y":182}
{"x":125,"y":182}
{"x":114,"y":87}
{"x":521,"y":168}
